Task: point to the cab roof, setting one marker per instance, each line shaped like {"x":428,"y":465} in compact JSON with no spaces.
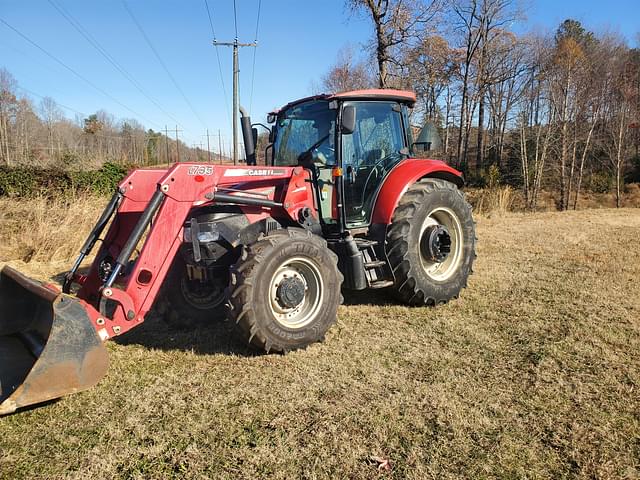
{"x":401,"y":96}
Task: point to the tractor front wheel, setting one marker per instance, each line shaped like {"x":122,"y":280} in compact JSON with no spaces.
{"x":431,"y":243}
{"x":285,"y":290}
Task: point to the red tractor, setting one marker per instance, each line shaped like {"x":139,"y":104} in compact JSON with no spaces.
{"x":341,"y":204}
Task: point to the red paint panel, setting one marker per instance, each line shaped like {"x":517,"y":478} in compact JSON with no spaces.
{"x":403,"y":95}
{"x":140,"y":184}
{"x":402,"y":177}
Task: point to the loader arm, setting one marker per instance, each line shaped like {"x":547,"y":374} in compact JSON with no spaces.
{"x":158,"y":205}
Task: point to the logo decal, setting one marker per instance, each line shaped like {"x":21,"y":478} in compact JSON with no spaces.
{"x":253,"y":172}
{"x":200,"y":170}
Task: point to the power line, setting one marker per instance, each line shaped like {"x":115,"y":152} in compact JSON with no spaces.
{"x":255,"y":49}
{"x":81,"y":77}
{"x":224,"y":89}
{"x":93,"y":42}
{"x":155,"y":52}
{"x":57,"y":103}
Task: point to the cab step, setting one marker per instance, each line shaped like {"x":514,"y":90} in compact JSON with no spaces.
{"x":375,"y":264}
{"x":381,"y":284}
{"x":365,"y":243}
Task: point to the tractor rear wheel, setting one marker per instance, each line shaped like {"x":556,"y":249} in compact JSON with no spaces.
{"x":431,"y":243}
{"x":285,"y":290}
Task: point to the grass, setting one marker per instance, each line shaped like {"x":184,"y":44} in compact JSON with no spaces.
{"x":46,"y":229}
{"x":533,"y":373}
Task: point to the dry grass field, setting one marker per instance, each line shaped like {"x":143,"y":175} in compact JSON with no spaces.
{"x":533,"y":373}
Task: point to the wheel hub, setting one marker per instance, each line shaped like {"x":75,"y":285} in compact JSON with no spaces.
{"x":436,"y":243}
{"x":290,"y":292}
{"x":295,"y":292}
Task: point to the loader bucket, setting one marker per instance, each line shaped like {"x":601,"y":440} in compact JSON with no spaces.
{"x":48,"y":346}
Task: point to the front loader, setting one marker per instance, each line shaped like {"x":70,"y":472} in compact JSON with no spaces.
{"x":341,"y":204}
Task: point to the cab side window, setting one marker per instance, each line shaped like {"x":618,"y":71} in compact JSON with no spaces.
{"x":368,"y":154}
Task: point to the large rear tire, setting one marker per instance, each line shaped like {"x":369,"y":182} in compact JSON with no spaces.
{"x":285,"y":290}
{"x":431,"y":243}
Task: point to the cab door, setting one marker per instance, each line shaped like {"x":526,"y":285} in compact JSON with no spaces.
{"x":368,"y":154}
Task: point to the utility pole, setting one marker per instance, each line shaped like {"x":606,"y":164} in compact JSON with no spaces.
{"x":166,"y":143}
{"x":208,"y":147}
{"x":219,"y":147}
{"x":177,"y":144}
{"x":236,"y":107}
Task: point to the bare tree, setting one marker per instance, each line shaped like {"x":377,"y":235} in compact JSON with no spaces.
{"x":537,"y":115}
{"x":51,"y":114}
{"x":477,"y":24}
{"x":397,"y":23}
{"x":622,"y":94}
{"x":465,"y":22}
{"x":8,"y":105}
{"x":432,"y":64}
{"x":346,"y":74}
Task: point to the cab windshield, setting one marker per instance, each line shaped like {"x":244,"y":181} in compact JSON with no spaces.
{"x":306,"y":129}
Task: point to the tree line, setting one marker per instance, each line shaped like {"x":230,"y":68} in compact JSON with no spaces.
{"x":554,"y":110}
{"x":558,"y":111}
{"x":39,"y":134}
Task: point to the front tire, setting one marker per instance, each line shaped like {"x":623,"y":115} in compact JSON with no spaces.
{"x":431,"y":243}
{"x":285,"y":290}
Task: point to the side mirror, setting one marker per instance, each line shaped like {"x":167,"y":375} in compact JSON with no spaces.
{"x":254,"y":134}
{"x":348,"y":122}
{"x":421,"y":147}
{"x":429,"y":138}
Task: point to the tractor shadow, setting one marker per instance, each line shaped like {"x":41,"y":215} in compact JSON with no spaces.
{"x":216,"y":337}
{"x":205,"y":339}
{"x":219,"y":336}
{"x":378,"y":298}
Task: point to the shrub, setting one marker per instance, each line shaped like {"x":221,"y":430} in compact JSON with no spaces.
{"x":499,"y":200}
{"x":17,"y":181}
{"x":32,"y":181}
{"x":600,"y":182}
{"x":492,"y":176}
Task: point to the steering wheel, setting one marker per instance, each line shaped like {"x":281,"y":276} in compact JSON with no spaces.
{"x":312,"y":153}
{"x":320,"y":157}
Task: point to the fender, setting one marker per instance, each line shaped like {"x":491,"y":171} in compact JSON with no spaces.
{"x":401,"y":177}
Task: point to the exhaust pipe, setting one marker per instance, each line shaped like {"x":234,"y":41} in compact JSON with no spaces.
{"x":249,"y":135}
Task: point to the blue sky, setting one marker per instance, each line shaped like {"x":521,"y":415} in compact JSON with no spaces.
{"x":298,"y":41}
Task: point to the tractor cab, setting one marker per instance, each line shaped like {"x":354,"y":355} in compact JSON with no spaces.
{"x":350,"y":141}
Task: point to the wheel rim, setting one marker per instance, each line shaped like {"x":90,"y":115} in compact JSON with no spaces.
{"x":202,"y":298}
{"x":444,"y":270}
{"x":305,"y":271}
